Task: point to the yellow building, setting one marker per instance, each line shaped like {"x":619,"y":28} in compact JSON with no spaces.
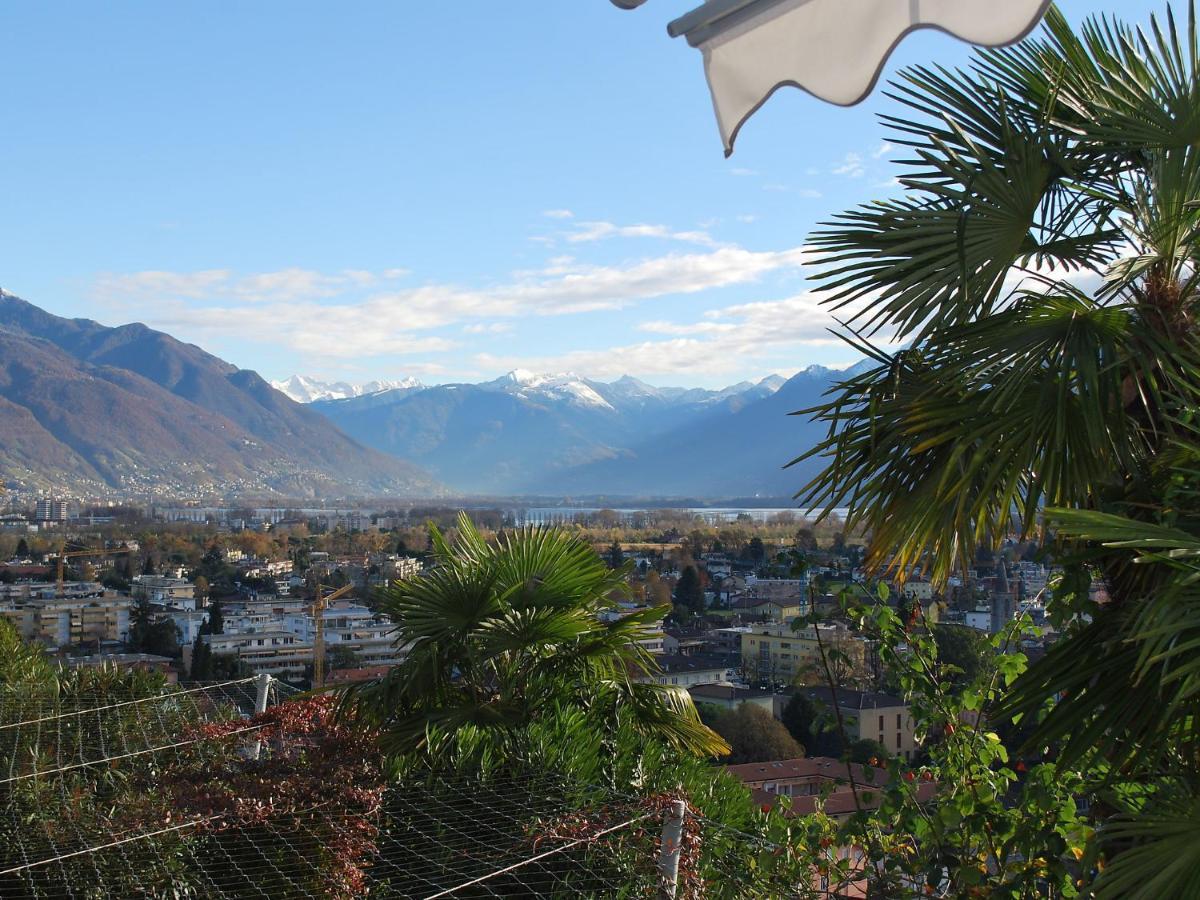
{"x":779,"y":610}
{"x":775,"y":654}
{"x":866,"y":715}
{"x":60,"y":623}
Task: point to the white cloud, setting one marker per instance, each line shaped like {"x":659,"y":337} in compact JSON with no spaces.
{"x":851,"y":166}
{"x":216,"y":284}
{"x":882,"y":150}
{"x":747,"y":218}
{"x":300,"y":311}
{"x":734,"y":339}
{"x":742,"y":173}
{"x":487,"y":328}
{"x":587,"y":232}
{"x":558,"y":214}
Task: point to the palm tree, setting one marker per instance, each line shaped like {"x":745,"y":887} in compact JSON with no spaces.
{"x":1041,"y":272}
{"x":500,"y":634}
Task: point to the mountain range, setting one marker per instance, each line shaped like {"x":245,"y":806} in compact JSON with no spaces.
{"x":566,"y":435}
{"x":127,"y":410}
{"x":130,"y":409}
{"x":303,"y":389}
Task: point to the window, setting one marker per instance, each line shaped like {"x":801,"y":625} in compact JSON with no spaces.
{"x":897,"y":740}
{"x":881,"y":723}
{"x":897,"y":720}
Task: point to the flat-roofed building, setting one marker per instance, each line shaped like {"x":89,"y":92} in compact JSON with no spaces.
{"x":729,"y":696}
{"x":774,"y":653}
{"x":277,"y":653}
{"x":168,"y":591}
{"x":54,"y":622}
{"x":369,"y":635}
{"x":686,"y":671}
{"x":867,"y":715}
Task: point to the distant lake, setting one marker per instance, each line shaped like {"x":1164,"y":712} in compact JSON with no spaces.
{"x":714,"y":515}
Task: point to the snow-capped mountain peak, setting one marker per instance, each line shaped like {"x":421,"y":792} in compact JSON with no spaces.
{"x":564,"y":386}
{"x":304,"y":389}
{"x":773,"y":383}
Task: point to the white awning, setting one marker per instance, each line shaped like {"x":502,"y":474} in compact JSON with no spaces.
{"x":834,"y":49}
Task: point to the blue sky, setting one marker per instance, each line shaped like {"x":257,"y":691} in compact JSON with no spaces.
{"x":444,"y":190}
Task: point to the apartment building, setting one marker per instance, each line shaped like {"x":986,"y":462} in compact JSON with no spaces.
{"x":774,"y":653}
{"x":70,"y":621}
{"x":867,"y":715}
{"x":164,"y":590}
{"x":278,"y":653}
{"x":369,"y":635}
{"x":689,"y":671}
{"x":51,"y":510}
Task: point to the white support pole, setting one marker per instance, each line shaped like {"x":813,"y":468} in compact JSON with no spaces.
{"x":262,"y":684}
{"x":668,"y":854}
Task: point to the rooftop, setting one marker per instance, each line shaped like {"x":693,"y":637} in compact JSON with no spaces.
{"x":671,"y":663}
{"x":725,"y":692}
{"x":847,"y":699}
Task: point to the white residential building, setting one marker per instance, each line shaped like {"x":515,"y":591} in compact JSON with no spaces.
{"x":278,"y":653}
{"x":368,"y":634}
{"x":165,"y":590}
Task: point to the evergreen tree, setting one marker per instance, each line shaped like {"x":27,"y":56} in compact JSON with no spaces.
{"x":799,"y":717}
{"x":141,"y":620}
{"x":616,"y":556}
{"x":201,"y":658}
{"x":216,"y":618}
{"x":689,"y":592}
{"x":23,"y":549}
{"x":806,"y":539}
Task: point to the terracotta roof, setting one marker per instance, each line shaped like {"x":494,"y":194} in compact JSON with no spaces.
{"x":839,"y":803}
{"x":803,"y":767}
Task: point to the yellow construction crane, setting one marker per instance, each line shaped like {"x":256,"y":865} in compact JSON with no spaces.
{"x":319,"y":604}
{"x":64,"y":555}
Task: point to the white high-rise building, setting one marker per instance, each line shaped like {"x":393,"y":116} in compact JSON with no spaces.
{"x":51,"y":510}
